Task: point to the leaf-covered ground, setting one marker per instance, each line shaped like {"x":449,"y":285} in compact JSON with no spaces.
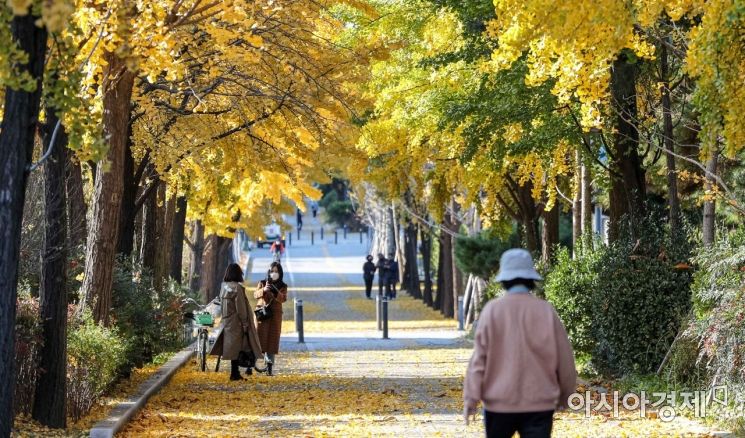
{"x":345,"y":381}
{"x":356,"y":386}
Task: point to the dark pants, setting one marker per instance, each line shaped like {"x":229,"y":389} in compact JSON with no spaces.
{"x":390,"y":289}
{"x":527,"y":424}
{"x":234,"y":370}
{"x":368,"y":286}
{"x":380,"y":287}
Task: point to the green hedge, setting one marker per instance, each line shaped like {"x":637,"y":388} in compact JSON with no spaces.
{"x":570,"y":288}
{"x":625,"y":303}
{"x":95,"y":355}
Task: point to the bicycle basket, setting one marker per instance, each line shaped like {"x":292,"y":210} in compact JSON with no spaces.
{"x":204,"y":319}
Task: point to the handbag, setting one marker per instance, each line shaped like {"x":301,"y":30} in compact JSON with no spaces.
{"x":264,"y":312}
{"x":246,"y":359}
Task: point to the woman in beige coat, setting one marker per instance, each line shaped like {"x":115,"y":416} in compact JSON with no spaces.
{"x":271,"y":292}
{"x":239,"y":327}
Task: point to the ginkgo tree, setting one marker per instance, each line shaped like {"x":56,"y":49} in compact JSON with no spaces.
{"x":234,"y":107}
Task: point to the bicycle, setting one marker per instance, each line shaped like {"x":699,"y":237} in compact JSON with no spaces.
{"x":203,"y":320}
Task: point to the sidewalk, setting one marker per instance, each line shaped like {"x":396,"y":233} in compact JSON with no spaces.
{"x":345,"y":380}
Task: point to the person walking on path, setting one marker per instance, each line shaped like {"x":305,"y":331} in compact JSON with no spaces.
{"x":368,"y":273}
{"x":238,"y":327}
{"x":392,"y":277}
{"x":522,"y":368}
{"x":271,"y":292}
{"x":277,"y":249}
{"x":380,"y":266}
{"x":299,"y":220}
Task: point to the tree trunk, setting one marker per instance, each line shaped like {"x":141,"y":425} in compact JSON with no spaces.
{"x":426,"y":250}
{"x":16,"y":151}
{"x":411,"y":271}
{"x":550,"y":233}
{"x":129,"y":211}
{"x":709,"y":223}
{"x":224,"y":258}
{"x":209,"y":261}
{"x":457,"y":274}
{"x":529,"y":216}
{"x":165,"y":228}
{"x":577,"y":205}
{"x":437,"y":304}
{"x":49,"y":400}
{"x":177,"y":240}
{"x":149,"y":247}
{"x":392,"y":233}
{"x":447,"y":304}
{"x":107,"y":197}
{"x":76,"y":207}
{"x":197,"y":253}
{"x":214,"y":263}
{"x":586,"y":215}
{"x":672,"y":176}
{"x":399,"y":251}
{"x":628,"y":187}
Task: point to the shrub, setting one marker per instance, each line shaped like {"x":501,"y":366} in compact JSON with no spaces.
{"x":27,"y":347}
{"x":717,"y":326}
{"x":95,"y":355}
{"x":570,"y":287}
{"x":479,"y":255}
{"x":149,"y":319}
{"x":343,"y":213}
{"x":133,"y":313}
{"x":641,"y":299}
{"x":329,"y":198}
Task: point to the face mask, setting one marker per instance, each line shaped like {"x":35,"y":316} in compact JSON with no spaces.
{"x":275,"y":276}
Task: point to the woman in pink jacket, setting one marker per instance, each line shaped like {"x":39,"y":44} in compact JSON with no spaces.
{"x":522,"y":368}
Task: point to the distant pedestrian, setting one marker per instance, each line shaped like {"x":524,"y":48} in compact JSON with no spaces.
{"x":381,"y":273}
{"x":299,"y":220}
{"x":522,"y":368}
{"x":394,"y":277}
{"x":314,"y":208}
{"x":271,"y":292}
{"x":390,"y":268}
{"x":277,"y":250}
{"x":368,"y":273}
{"x":238,"y":326}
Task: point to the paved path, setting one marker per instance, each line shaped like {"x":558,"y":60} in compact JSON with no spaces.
{"x":345,"y":380}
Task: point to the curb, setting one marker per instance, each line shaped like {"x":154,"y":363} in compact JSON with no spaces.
{"x":124,"y":411}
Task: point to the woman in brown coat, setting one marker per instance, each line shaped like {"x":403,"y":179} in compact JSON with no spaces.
{"x":239,"y":329}
{"x":271,"y":292}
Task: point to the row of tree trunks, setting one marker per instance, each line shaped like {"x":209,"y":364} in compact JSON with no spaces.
{"x":16,"y":151}
{"x":107,"y":197}
{"x":49,"y":399}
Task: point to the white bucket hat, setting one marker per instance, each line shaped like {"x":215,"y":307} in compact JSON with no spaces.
{"x":517,"y":263}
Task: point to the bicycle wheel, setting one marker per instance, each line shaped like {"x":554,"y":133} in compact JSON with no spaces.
{"x":203,"y":350}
